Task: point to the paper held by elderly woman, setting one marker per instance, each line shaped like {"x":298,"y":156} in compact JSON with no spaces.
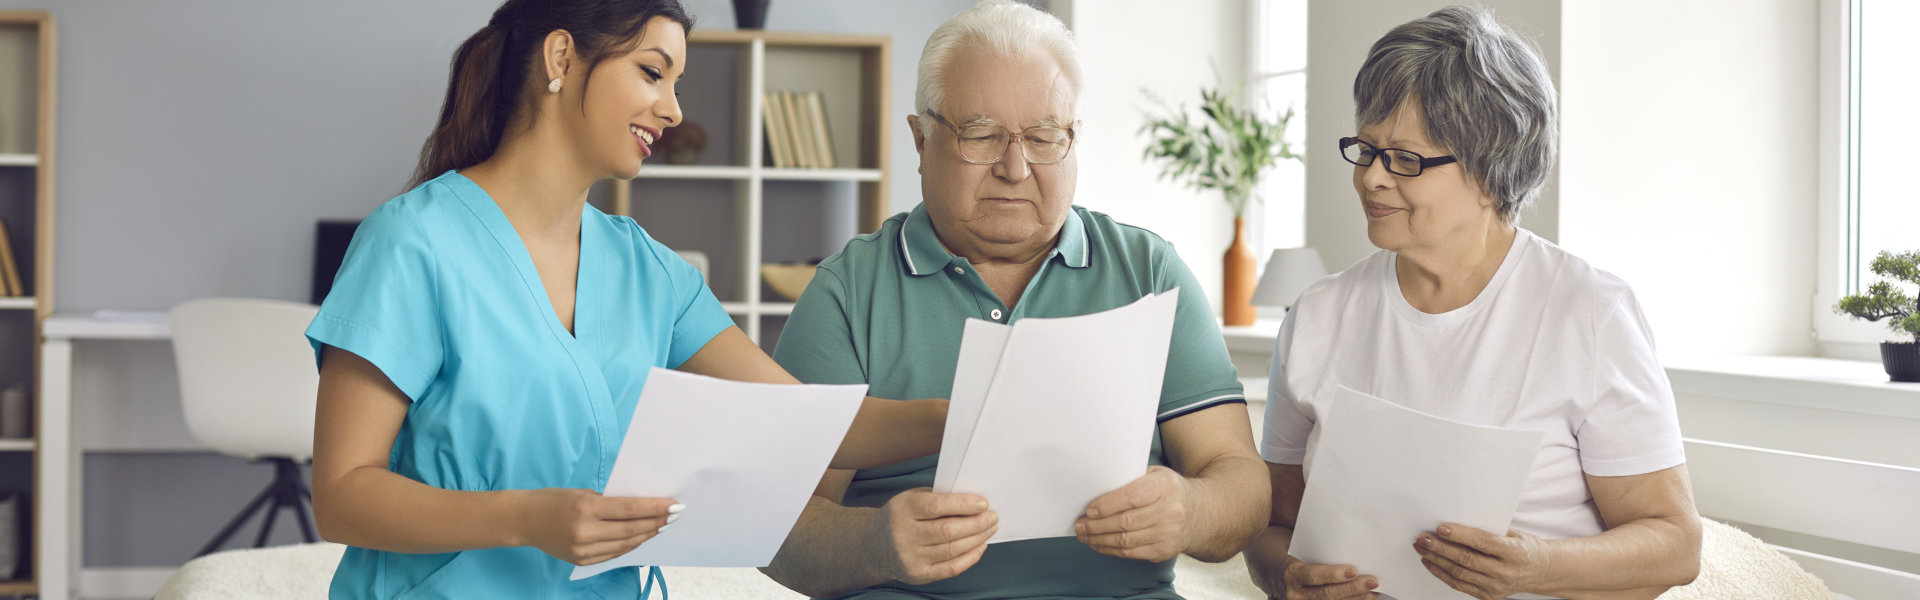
{"x":1048,"y":414}
{"x":743,"y":458}
{"x":1380,"y":474}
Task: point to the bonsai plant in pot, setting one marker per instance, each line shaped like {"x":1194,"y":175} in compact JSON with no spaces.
{"x":1230,"y":151}
{"x":1884,"y":300}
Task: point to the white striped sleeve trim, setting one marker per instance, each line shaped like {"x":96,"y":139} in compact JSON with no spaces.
{"x":1224,"y":399}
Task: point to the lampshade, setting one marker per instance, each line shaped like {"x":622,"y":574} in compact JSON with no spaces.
{"x":1289,"y":272}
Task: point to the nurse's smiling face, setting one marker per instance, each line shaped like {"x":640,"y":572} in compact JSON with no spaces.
{"x":630,"y":100}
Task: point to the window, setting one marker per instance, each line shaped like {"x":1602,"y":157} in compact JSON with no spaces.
{"x":1276,"y":80}
{"x":1871,"y":150}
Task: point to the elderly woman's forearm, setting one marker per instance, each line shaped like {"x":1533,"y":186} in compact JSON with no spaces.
{"x":1228,"y":507}
{"x":1632,"y":560}
{"x":1267,"y":559}
{"x":828,"y":551}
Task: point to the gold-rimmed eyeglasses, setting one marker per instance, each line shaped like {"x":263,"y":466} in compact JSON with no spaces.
{"x":985,"y":144}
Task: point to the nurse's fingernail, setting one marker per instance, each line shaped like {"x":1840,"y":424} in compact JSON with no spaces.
{"x":663,"y":528}
{"x":676,"y":508}
{"x":671,"y":519}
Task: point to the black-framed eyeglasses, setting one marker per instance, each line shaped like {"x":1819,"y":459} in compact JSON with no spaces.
{"x":1398,"y":161}
{"x":984,"y":144}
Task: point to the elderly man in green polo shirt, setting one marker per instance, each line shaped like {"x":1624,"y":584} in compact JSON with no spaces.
{"x":997,"y":237}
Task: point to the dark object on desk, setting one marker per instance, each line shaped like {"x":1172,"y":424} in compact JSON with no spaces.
{"x":330,"y":239}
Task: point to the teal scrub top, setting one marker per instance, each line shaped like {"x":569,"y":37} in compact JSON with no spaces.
{"x":439,"y":293}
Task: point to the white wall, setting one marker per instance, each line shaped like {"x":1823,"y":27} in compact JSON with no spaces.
{"x":1658,"y":99}
{"x":1339,"y":34}
{"x":1132,"y":45}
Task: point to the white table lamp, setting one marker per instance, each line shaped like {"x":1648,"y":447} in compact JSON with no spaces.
{"x":1289,"y":272}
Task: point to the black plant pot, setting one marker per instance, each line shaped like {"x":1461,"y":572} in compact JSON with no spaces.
{"x":750,"y":14}
{"x":1902,"y":360}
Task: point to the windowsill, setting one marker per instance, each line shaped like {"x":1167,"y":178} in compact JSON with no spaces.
{"x":1821,"y":383}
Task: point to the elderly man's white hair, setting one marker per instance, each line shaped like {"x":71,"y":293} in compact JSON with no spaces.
{"x":1005,"y":28}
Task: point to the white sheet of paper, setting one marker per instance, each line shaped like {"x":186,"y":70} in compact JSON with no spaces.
{"x":1381,"y":474}
{"x":1068,"y":413}
{"x":743,"y":457}
{"x":981,"y":343}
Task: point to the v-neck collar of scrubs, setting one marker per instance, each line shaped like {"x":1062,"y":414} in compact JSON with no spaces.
{"x":495,"y":220}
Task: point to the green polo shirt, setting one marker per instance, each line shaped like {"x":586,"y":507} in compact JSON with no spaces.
{"x":888,"y":312}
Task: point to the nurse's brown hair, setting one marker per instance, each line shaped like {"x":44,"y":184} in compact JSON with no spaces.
{"x":490,"y":79}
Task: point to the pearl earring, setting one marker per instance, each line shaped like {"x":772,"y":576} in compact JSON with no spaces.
{"x":553,"y":87}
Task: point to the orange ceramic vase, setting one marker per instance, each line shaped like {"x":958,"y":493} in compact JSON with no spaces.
{"x":1237,"y":289}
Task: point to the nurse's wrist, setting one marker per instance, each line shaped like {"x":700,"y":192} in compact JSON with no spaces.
{"x":509,"y":507}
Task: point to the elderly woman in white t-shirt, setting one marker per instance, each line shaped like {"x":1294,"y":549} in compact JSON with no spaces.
{"x":1464,"y":315}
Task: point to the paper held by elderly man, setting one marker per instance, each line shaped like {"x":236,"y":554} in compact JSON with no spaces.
{"x":1381,"y":474}
{"x":1048,"y":414}
{"x":743,"y":458}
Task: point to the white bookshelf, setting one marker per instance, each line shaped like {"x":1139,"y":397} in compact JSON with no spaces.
{"x":852,"y":71}
{"x":28,"y":84}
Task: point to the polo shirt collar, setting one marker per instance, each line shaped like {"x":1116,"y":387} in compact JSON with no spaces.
{"x":925,"y":256}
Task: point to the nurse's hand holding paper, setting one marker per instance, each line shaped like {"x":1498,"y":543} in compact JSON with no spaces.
{"x":583,"y":527}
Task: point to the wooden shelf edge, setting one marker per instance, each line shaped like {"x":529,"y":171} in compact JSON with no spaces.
{"x":787,"y":38}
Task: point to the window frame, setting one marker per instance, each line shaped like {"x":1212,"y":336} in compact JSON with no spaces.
{"x":1838,"y":335}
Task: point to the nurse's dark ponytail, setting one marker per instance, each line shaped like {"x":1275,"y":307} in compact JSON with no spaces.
{"x":490,"y":74}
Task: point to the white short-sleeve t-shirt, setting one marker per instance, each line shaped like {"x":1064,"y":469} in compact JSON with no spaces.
{"x":1552,"y":344}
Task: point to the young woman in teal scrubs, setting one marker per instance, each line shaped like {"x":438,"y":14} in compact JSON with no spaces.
{"x":489,"y":332}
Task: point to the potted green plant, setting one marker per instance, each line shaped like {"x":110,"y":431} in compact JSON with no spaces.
{"x":1230,"y":151}
{"x":1884,"y":300}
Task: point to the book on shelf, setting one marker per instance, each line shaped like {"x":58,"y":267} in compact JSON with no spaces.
{"x":9,"y":269}
{"x":817,"y":117}
{"x":776,"y":127}
{"x":801,"y":134}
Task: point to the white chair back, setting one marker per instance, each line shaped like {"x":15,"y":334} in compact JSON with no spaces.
{"x":248,"y":380}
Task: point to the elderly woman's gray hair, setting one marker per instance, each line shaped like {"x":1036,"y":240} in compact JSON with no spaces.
{"x":1484,"y":90}
{"x":1006,"y":29}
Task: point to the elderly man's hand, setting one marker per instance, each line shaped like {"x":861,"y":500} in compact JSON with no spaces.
{"x":1481,"y":564}
{"x":1145,"y":519}
{"x":937,"y":536}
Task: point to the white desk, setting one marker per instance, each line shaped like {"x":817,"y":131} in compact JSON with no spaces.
{"x":57,"y":531}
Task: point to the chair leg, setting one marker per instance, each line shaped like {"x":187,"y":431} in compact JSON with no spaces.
{"x":234,"y":524}
{"x":306,"y":524}
{"x":266,"y":527}
{"x":286,"y":490}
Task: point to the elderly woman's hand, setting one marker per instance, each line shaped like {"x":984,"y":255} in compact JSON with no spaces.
{"x":1481,"y":564}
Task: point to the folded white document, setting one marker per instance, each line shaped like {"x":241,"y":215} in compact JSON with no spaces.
{"x":1381,"y":474}
{"x":743,"y":457}
{"x":1048,"y":414}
